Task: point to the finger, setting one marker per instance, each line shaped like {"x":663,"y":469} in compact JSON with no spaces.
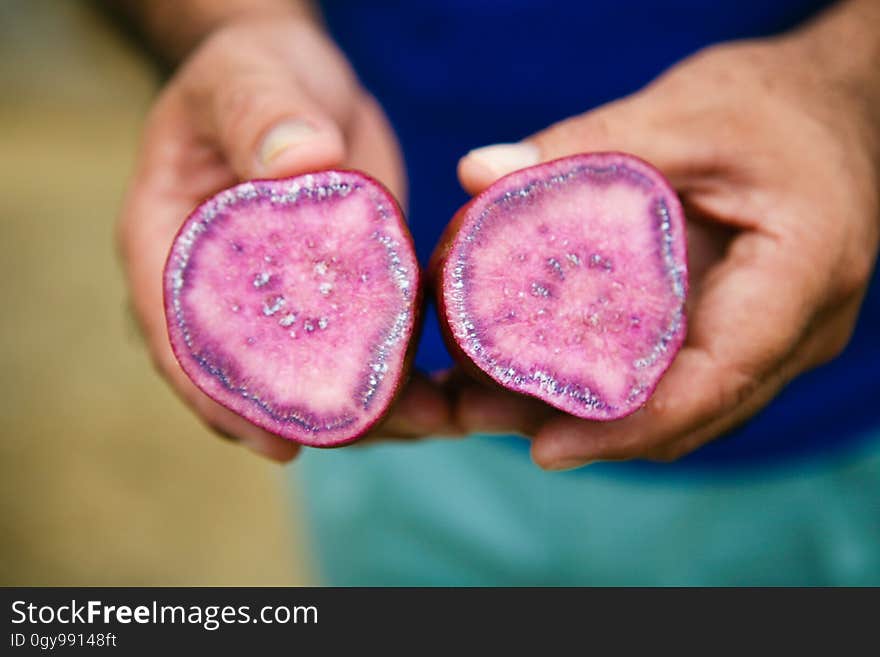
{"x":678,"y":446}
{"x":217,"y":417}
{"x":263,"y":121}
{"x":260,"y":442}
{"x":567,"y":442}
{"x":755,"y":309}
{"x":487,"y":409}
{"x":825,"y":342}
{"x":421,"y":410}
{"x":151,"y":214}
{"x":630,"y":125}
{"x":372,"y":147}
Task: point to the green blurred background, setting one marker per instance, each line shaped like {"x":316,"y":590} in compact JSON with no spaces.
{"x":105,"y":478}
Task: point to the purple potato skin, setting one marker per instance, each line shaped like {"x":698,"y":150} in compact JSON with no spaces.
{"x":440,"y":278}
{"x":394,"y":379}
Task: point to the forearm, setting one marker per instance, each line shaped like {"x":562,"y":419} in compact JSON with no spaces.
{"x":171,"y":29}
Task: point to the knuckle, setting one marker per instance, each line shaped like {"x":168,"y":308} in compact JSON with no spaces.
{"x":572,"y":134}
{"x":245,"y":111}
{"x":735,"y":386}
{"x":236,"y":106}
{"x":738,"y":389}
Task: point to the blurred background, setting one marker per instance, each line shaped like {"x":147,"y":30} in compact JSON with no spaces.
{"x":105,"y":477}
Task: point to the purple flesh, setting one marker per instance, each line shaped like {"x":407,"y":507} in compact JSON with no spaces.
{"x":293,"y":302}
{"x":567,"y":282}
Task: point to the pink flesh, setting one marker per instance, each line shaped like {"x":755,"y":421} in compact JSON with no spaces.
{"x":567,"y":281}
{"x":292,"y":302}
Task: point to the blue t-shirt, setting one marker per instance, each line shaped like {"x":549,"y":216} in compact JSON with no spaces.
{"x":459,"y":74}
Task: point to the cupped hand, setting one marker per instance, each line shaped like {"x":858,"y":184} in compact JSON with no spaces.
{"x":777,"y":168}
{"x":257,"y":99}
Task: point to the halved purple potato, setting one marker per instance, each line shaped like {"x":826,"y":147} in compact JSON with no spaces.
{"x":294,"y":303}
{"x":567,"y":281}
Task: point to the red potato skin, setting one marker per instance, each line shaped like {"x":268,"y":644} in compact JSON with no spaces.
{"x":406,"y":368}
{"x":412,"y":341}
{"x":436,"y":270}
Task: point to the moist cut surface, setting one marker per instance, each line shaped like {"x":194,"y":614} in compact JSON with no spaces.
{"x":567,"y":281}
{"x":292,"y":302}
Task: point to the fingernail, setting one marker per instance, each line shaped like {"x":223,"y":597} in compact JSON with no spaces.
{"x":501,"y":159}
{"x":567,"y":464}
{"x":283,"y":136}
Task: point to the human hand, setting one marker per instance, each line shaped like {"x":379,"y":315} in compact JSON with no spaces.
{"x":258,"y":99}
{"x":776,"y":162}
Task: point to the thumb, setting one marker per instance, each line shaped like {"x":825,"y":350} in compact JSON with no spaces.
{"x":628,"y":125}
{"x":267,"y":127}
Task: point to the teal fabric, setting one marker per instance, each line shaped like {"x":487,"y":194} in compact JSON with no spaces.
{"x":768,"y":505}
{"x":476,"y":512}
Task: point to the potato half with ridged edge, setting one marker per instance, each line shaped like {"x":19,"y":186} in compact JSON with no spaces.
{"x":567,"y":281}
{"x":295,"y":303}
